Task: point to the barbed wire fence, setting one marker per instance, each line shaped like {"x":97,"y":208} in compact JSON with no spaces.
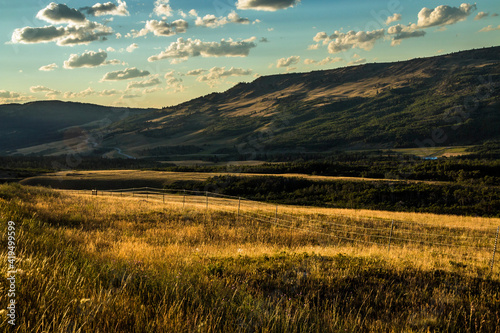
{"x":467,"y":244}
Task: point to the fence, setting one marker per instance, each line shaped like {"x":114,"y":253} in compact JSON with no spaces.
{"x":465,"y":243}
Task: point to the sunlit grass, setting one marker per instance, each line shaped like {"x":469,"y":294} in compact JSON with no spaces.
{"x":127,"y":264}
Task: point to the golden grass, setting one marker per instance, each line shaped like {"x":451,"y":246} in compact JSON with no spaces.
{"x":157,"y":239}
{"x":131,"y":264}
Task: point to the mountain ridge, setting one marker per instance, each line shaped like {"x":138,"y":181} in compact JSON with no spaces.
{"x":450,"y":99}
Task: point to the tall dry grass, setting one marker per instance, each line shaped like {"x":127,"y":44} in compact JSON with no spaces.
{"x":123,"y":264}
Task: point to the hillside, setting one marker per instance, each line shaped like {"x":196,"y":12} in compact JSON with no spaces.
{"x":55,"y":127}
{"x":443,"y":101}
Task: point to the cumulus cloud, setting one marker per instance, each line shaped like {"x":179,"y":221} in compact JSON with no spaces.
{"x":109,"y":92}
{"x":89,"y":59}
{"x":132,"y":47}
{"x":69,"y":35}
{"x":340,"y":41}
{"x":50,"y":93}
{"x":286,"y":62}
{"x":173,"y":82}
{"x":401,"y":32}
{"x":443,"y":15}
{"x":193,"y":12}
{"x":313,"y":47}
{"x":84,"y":93}
{"x":212,"y":21}
{"x":108,"y":8}
{"x":48,"y":68}
{"x":266,"y":5}
{"x":12,"y":97}
{"x":394,"y":18}
{"x":60,"y":13}
{"x":8,"y":94}
{"x":161,"y":28}
{"x":489,"y":28}
{"x":327,"y":60}
{"x":215,"y":74}
{"x":357,"y":62}
{"x":128,"y":73}
{"x":162,"y":8}
{"x":481,"y":15}
{"x":152,"y":81}
{"x":184,"y":48}
{"x":196,"y":71}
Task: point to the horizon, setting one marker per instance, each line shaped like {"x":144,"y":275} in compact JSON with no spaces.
{"x":163,"y":53}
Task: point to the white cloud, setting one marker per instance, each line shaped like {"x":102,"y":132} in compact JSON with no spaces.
{"x":161,"y":28}
{"x":162,"y":8}
{"x":60,"y":13}
{"x":344,"y":41}
{"x":84,"y":93}
{"x":444,"y":15}
{"x":50,"y":93}
{"x":108,"y":8}
{"x":357,"y":62}
{"x":173,"y":82}
{"x":152,"y":81}
{"x":110,"y":49}
{"x":215,"y":74}
{"x":48,"y":68}
{"x":132,"y":47}
{"x":212,"y":21}
{"x":394,"y":18}
{"x":196,"y":71}
{"x":313,"y":47}
{"x":266,"y":5}
{"x":8,"y":94}
{"x":286,"y":62}
{"x":89,"y":59}
{"x":12,"y":97}
{"x":184,"y":48}
{"x":489,"y":28}
{"x":128,"y":73}
{"x":401,"y":32}
{"x":323,"y":62}
{"x":64,"y":36}
{"x":193,"y":12}
{"x":109,"y":92}
{"x":481,"y":15}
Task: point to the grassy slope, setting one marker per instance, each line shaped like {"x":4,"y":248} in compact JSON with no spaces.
{"x":374,"y":105}
{"x":90,"y":264}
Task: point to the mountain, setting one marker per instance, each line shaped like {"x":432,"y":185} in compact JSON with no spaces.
{"x":438,"y":101}
{"x":55,"y":127}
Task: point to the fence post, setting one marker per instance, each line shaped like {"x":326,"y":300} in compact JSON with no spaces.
{"x":494,"y":249}
{"x":390,"y":235}
{"x":239,"y":202}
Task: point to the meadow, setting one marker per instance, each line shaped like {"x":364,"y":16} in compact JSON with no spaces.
{"x":127,"y":263}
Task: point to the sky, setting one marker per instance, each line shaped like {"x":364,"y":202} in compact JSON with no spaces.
{"x":164,"y":52}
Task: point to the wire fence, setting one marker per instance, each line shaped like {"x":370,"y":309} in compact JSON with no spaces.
{"x":455,"y":242}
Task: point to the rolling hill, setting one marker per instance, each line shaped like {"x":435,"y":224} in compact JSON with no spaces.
{"x":445,"y":100}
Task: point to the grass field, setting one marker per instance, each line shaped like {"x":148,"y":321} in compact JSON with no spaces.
{"x":131,"y":264}
{"x":117,"y":179}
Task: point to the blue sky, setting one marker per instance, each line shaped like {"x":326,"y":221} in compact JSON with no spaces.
{"x":163,"y":52}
